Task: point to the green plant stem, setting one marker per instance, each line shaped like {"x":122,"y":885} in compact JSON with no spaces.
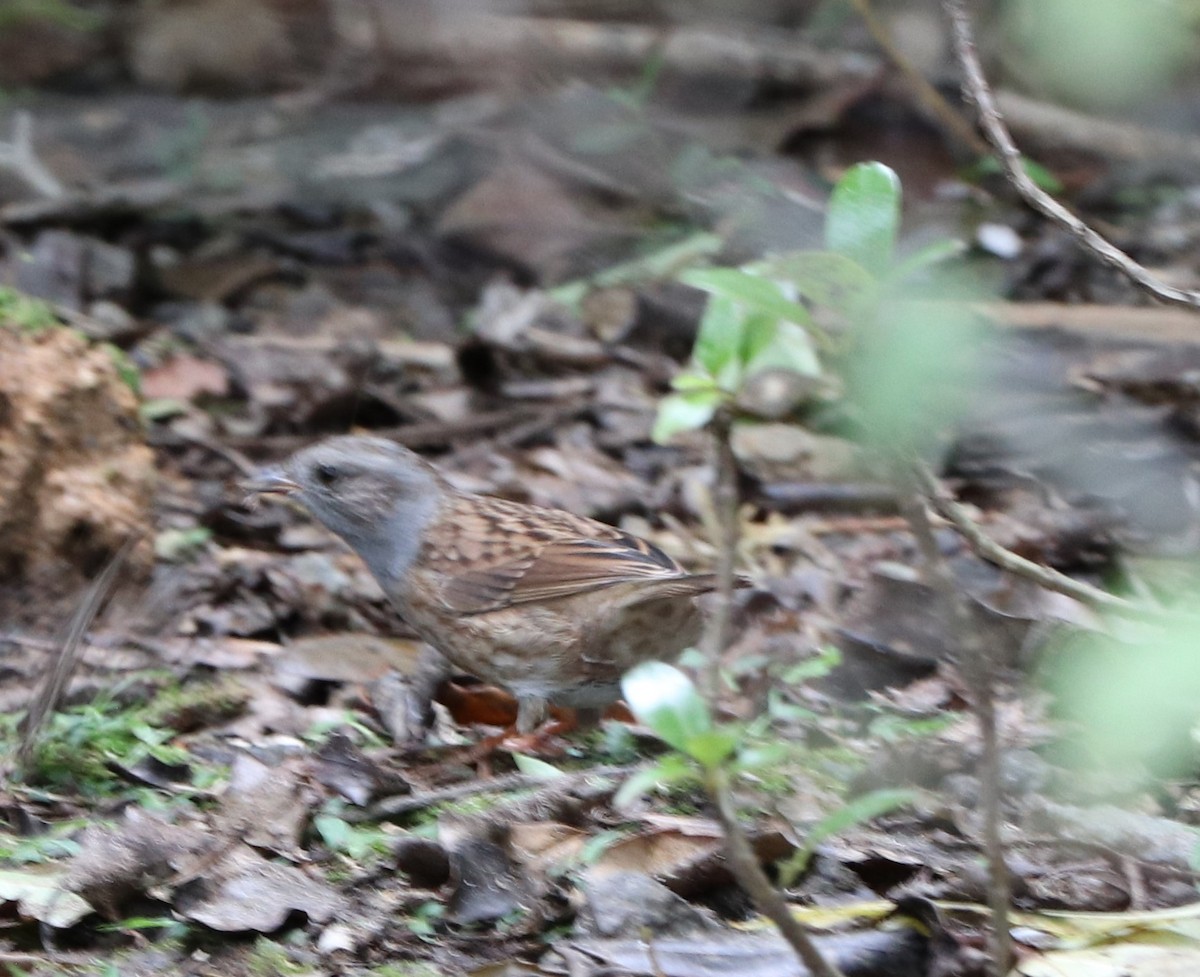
{"x":725,"y":506}
{"x":976,"y":665}
{"x":999,"y":940}
{"x":750,"y":876}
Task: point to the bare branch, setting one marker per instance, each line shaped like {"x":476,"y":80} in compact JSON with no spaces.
{"x":987,"y":548}
{"x":976,"y":89}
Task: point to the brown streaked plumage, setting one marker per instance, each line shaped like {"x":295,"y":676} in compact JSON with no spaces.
{"x":554,"y":606}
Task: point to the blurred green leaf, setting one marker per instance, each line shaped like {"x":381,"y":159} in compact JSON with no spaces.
{"x":826,"y":278}
{"x":719,"y":339}
{"x":755,"y":293}
{"x":928,"y":256}
{"x":816,"y":667}
{"x":126,"y":369}
{"x":333,"y":831}
{"x":669,"y":771}
{"x":861,"y":809}
{"x":161,"y":409}
{"x":689,"y":380}
{"x":664,"y":262}
{"x":1100,"y":55}
{"x":1136,"y":700}
{"x":916,"y":370}
{"x":761,"y":757}
{"x":775,"y":345}
{"x":864,"y":216}
{"x":665,"y":699}
{"x":713,"y":746}
{"x":536,"y":768}
{"x":688,"y":411}
{"x":178,"y":545}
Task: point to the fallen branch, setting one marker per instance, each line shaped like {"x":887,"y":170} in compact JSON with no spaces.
{"x":976,"y":89}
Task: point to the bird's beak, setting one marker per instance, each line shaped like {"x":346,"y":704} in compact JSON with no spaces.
{"x":271,"y":481}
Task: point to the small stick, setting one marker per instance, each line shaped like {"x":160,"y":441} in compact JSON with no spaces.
{"x":725,"y":505}
{"x":976,"y":89}
{"x":1006,"y":559}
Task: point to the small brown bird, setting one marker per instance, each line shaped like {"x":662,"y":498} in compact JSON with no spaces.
{"x":553,"y":606}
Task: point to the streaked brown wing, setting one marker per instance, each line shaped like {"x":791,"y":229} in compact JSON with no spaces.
{"x":493,"y":553}
{"x":559,"y":569}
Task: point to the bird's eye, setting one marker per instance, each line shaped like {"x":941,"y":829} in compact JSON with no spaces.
{"x":326,"y":474}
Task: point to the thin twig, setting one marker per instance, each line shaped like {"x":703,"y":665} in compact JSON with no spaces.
{"x":1006,"y":559}
{"x":926,"y":94}
{"x":742,"y":859}
{"x":976,"y":89}
{"x":725,"y":505}
{"x":976,"y":664}
{"x":998,"y":889}
{"x":744,"y":864}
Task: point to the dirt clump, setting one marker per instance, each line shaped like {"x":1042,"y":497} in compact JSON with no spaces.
{"x":76,"y":477}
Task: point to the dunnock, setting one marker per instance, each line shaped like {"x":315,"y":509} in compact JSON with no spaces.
{"x":555,"y":607}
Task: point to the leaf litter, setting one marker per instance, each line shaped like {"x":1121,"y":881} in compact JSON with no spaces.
{"x":270,"y":320}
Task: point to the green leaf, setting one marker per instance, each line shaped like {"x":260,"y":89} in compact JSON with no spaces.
{"x":685,"y":412}
{"x":670,"y":770}
{"x":161,"y":409}
{"x":789,"y":347}
{"x":756,"y":293}
{"x":713,"y":746}
{"x":127,"y":371}
{"x":663,"y":698}
{"x":861,"y":809}
{"x":816,"y":667}
{"x":720,"y":336}
{"x":932,"y":254}
{"x":784,"y":711}
{"x":537,"y":768}
{"x":176,"y":545}
{"x":333,"y":831}
{"x":691,"y":379}
{"x":595,"y":847}
{"x":827,"y":279}
{"x":761,"y":757}
{"x":864,"y":216}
